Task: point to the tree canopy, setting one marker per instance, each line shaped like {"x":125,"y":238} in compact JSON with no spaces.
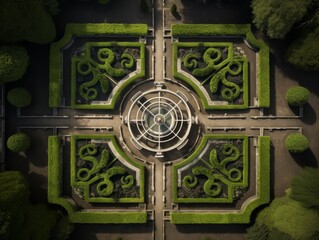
{"x":303,"y":53}
{"x":14,"y":61}
{"x":277,"y":18}
{"x":25,"y":20}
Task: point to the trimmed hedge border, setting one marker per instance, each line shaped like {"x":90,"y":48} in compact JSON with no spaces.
{"x":198,"y":150}
{"x":233,"y":30}
{"x":55,"y":76}
{"x":263,"y":195}
{"x":194,"y":85}
{"x":112,"y":138}
{"x":76,"y":216}
{"x":119,"y":91}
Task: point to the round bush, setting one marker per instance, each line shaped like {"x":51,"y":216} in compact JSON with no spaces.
{"x":18,"y":142}
{"x":296,"y":143}
{"x":13,"y":63}
{"x":297,"y":96}
{"x":19,"y":97}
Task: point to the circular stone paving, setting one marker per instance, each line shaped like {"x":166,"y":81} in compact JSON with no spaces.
{"x":159,"y":121}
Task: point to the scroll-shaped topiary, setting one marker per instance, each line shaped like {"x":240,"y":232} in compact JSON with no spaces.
{"x":18,"y":142}
{"x":13,"y":63}
{"x":297,"y":96}
{"x":296,"y":143}
{"x":19,"y":97}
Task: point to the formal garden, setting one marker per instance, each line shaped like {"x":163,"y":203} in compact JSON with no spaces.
{"x":160,"y":124}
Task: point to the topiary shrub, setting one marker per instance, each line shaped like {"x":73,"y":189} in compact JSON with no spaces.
{"x":18,"y":142}
{"x":305,"y":188}
{"x":297,"y":96}
{"x":19,"y":97}
{"x":13,"y":63}
{"x":296,"y":143}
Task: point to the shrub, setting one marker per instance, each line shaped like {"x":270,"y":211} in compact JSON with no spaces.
{"x":257,"y":232}
{"x":297,"y":96}
{"x":305,"y":188}
{"x":51,"y":6}
{"x":104,"y":2}
{"x":19,"y":97}
{"x":296,"y":143}
{"x":62,"y":229}
{"x":18,"y":142}
{"x":13,"y":63}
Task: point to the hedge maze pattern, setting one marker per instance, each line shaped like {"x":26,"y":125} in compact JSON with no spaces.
{"x":218,"y":174}
{"x":98,"y":175}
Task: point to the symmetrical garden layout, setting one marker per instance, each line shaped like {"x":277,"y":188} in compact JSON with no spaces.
{"x":160,"y":144}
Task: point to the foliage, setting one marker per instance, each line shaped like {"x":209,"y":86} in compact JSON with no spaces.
{"x":51,"y":6}
{"x":25,"y":20}
{"x":18,"y":142}
{"x":19,"y":97}
{"x":297,"y":96}
{"x":277,"y":18}
{"x":289,"y":217}
{"x":296,"y":143}
{"x":104,"y":2}
{"x":62,"y":229}
{"x":257,"y":232}
{"x":144,"y":6}
{"x":305,"y":188}
{"x":13,"y":63}
{"x":303,"y":53}
{"x":109,"y":217}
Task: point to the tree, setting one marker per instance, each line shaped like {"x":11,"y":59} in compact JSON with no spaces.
{"x":19,"y":97}
{"x":18,"y":142}
{"x":14,"y":61}
{"x":305,"y":188}
{"x":277,"y":18}
{"x":296,"y":143}
{"x":297,"y":96}
{"x":303,"y":53}
{"x":286,"y":219}
{"x":25,"y":20}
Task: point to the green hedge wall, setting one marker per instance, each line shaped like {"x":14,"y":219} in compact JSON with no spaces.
{"x":93,"y":29}
{"x":109,"y":217}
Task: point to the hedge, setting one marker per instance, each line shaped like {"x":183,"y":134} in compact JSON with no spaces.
{"x":124,"y":84}
{"x":242,"y":216}
{"x":194,"y":85}
{"x":55,"y":89}
{"x":296,"y":143}
{"x":297,"y":96}
{"x":19,"y":97}
{"x":19,"y":142}
{"x":235,"y":30}
{"x":112,"y":138}
{"x":109,"y":217}
{"x":14,"y":61}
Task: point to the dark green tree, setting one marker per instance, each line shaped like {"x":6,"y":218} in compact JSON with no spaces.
{"x":296,"y":143}
{"x":25,"y":20}
{"x":305,"y":188}
{"x":303,"y":53}
{"x":14,"y":61}
{"x":19,"y":97}
{"x":297,"y":96}
{"x":276,"y":18}
{"x":19,"y":142}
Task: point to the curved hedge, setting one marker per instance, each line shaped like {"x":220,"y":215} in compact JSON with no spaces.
{"x":297,"y":96}
{"x":19,"y":97}
{"x":18,"y":142}
{"x":296,"y":143}
{"x":13,"y":63}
